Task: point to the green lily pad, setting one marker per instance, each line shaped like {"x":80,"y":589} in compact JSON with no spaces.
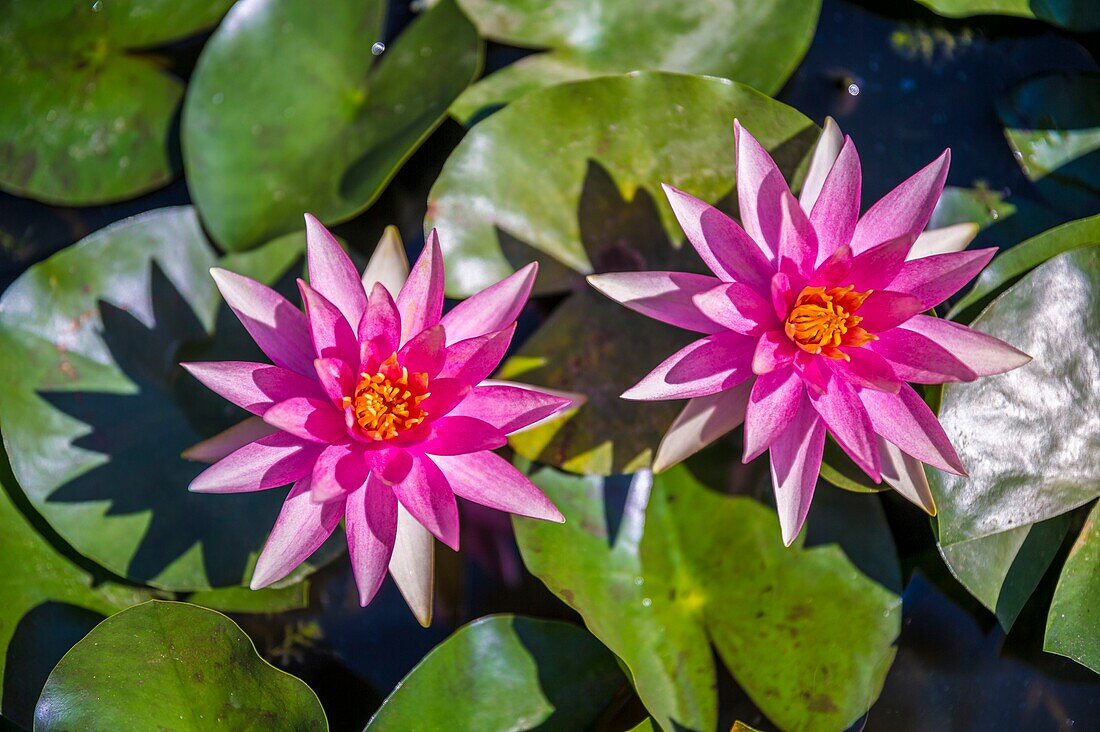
{"x":245,"y":600}
{"x":86,"y":117}
{"x":755,"y":42}
{"x":323,"y":124}
{"x":1073,"y":625}
{"x":506,"y":673}
{"x":978,"y":205}
{"x":1078,"y":15}
{"x":96,"y":410}
{"x":171,"y":665}
{"x":806,"y":635}
{"x":47,"y":603}
{"x":1024,"y":436}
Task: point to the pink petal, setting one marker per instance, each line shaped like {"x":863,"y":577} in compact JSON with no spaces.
{"x":772,"y":406}
{"x":492,"y":309}
{"x":331,"y":333}
{"x":379,"y":332}
{"x":781,"y":294}
{"x":795,"y":463}
{"x":213,"y":449}
{"x":315,"y":420}
{"x":427,"y":495}
{"x":424,"y":352}
{"x":446,"y":394}
{"x":935,"y":278}
{"x":885,"y":309}
{"x":339,"y":470}
{"x":725,"y":248}
{"x":867,"y":369}
{"x":707,"y":366}
{"x":420,"y":301}
{"x":458,"y":435}
{"x":737,"y":307}
{"x":412,"y":565}
{"x":490,"y":480}
{"x":336,"y":377}
{"x":509,"y":408}
{"x":826,"y":151}
{"x":252,"y":386}
{"x":269,"y":462}
{"x":773,"y":351}
{"x":370,"y":521}
{"x":760,"y":191}
{"x":798,"y":244}
{"x":952,"y":238}
{"x":703,"y":420}
{"x":850,"y":425}
{"x":388,"y":265}
{"x":331,"y":272}
{"x":663,"y":296}
{"x":302,"y":527}
{"x":919,"y":359}
{"x":836,"y":210}
{"x":907,"y":422}
{"x":472,"y":360}
{"x":983,"y":354}
{"x":905,"y":474}
{"x":871,"y":270}
{"x":905,"y":210}
{"x":279,"y":329}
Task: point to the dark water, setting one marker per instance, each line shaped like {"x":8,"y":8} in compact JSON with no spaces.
{"x":923,"y":83}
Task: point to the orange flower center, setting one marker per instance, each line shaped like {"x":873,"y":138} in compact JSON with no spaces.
{"x":387,"y":403}
{"x":823,"y":320}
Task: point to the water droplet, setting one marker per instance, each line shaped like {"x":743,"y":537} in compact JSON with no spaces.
{"x":646,"y":602}
{"x":853,"y":89}
{"x":218,"y":98}
{"x":378,"y":48}
{"x":123,"y":162}
{"x":97,"y":6}
{"x":51,"y":115}
{"x":639,"y":581}
{"x":994,"y":214}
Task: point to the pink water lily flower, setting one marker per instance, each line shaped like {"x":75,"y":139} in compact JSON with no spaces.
{"x":814,"y":322}
{"x":373,"y":407}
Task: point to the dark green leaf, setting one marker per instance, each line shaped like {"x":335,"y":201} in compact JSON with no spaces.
{"x":1073,"y":626}
{"x":244,"y":600}
{"x":1079,"y":15}
{"x":977,"y":205}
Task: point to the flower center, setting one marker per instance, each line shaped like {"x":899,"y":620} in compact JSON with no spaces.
{"x":823,"y":320}
{"x":387,"y":402}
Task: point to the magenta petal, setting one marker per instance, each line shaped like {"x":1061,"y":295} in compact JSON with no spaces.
{"x":508,"y":408}
{"x":702,"y":421}
{"x":843,"y":413}
{"x":781,"y":294}
{"x":706,"y":366}
{"x":337,"y":379}
{"x":490,"y":480}
{"x":379,"y":332}
{"x":798,"y":244}
{"x":310,"y":419}
{"x":723,"y":245}
{"x":424,"y":352}
{"x":446,"y":394}
{"x":760,"y":191}
{"x":300,"y":530}
{"x":420,"y":301}
{"x":252,"y":386}
{"x":370,"y":522}
{"x":906,"y":421}
{"x":228,"y":441}
{"x":458,"y":435}
{"x":904,"y":211}
{"x":474,"y":359}
{"x":795,"y":463}
{"x":332,"y":273}
{"x":772,"y":406}
{"x":919,"y":359}
{"x":774,"y":350}
{"x":495,"y":307}
{"x":871,"y":270}
{"x":885,"y":309}
{"x":737,"y":307}
{"x":826,"y":150}
{"x":935,"y":278}
{"x":426,"y":494}
{"x":663,"y":296}
{"x":983,"y":354}
{"x":279,"y":329}
{"x":867,"y":369}
{"x":339,"y":470}
{"x":332,"y":334}
{"x":836,"y":209}
{"x":268,"y":462}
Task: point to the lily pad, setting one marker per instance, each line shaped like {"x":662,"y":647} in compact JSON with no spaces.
{"x":87,"y":118}
{"x":1027,"y":436}
{"x":756,"y":42}
{"x":1073,"y":625}
{"x":978,"y":205}
{"x":245,"y":600}
{"x":171,"y":663}
{"x":323,"y":124}
{"x":1078,"y":15}
{"x":96,"y":410}
{"x":806,"y":635}
{"x":506,"y":673}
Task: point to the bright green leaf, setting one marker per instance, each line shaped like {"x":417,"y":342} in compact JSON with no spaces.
{"x":245,"y":600}
{"x":1073,"y":626}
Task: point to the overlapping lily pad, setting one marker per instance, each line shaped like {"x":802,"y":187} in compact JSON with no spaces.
{"x":804,"y":633}
{"x":1028,"y":438}
{"x":506,"y":673}
{"x":756,"y":42}
{"x":1078,"y":15}
{"x":289,"y":111}
{"x":86,"y":117}
{"x":96,"y":410}
{"x":1074,"y":621}
{"x":172,"y":665}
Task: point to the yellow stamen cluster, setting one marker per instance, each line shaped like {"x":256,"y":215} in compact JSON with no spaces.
{"x":823,"y":320}
{"x":387,"y":403}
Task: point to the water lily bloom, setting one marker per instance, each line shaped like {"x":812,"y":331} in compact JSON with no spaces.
{"x":814,"y":322}
{"x":373,"y":407}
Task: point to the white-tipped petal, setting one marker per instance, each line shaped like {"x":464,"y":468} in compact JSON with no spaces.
{"x":389,"y":264}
